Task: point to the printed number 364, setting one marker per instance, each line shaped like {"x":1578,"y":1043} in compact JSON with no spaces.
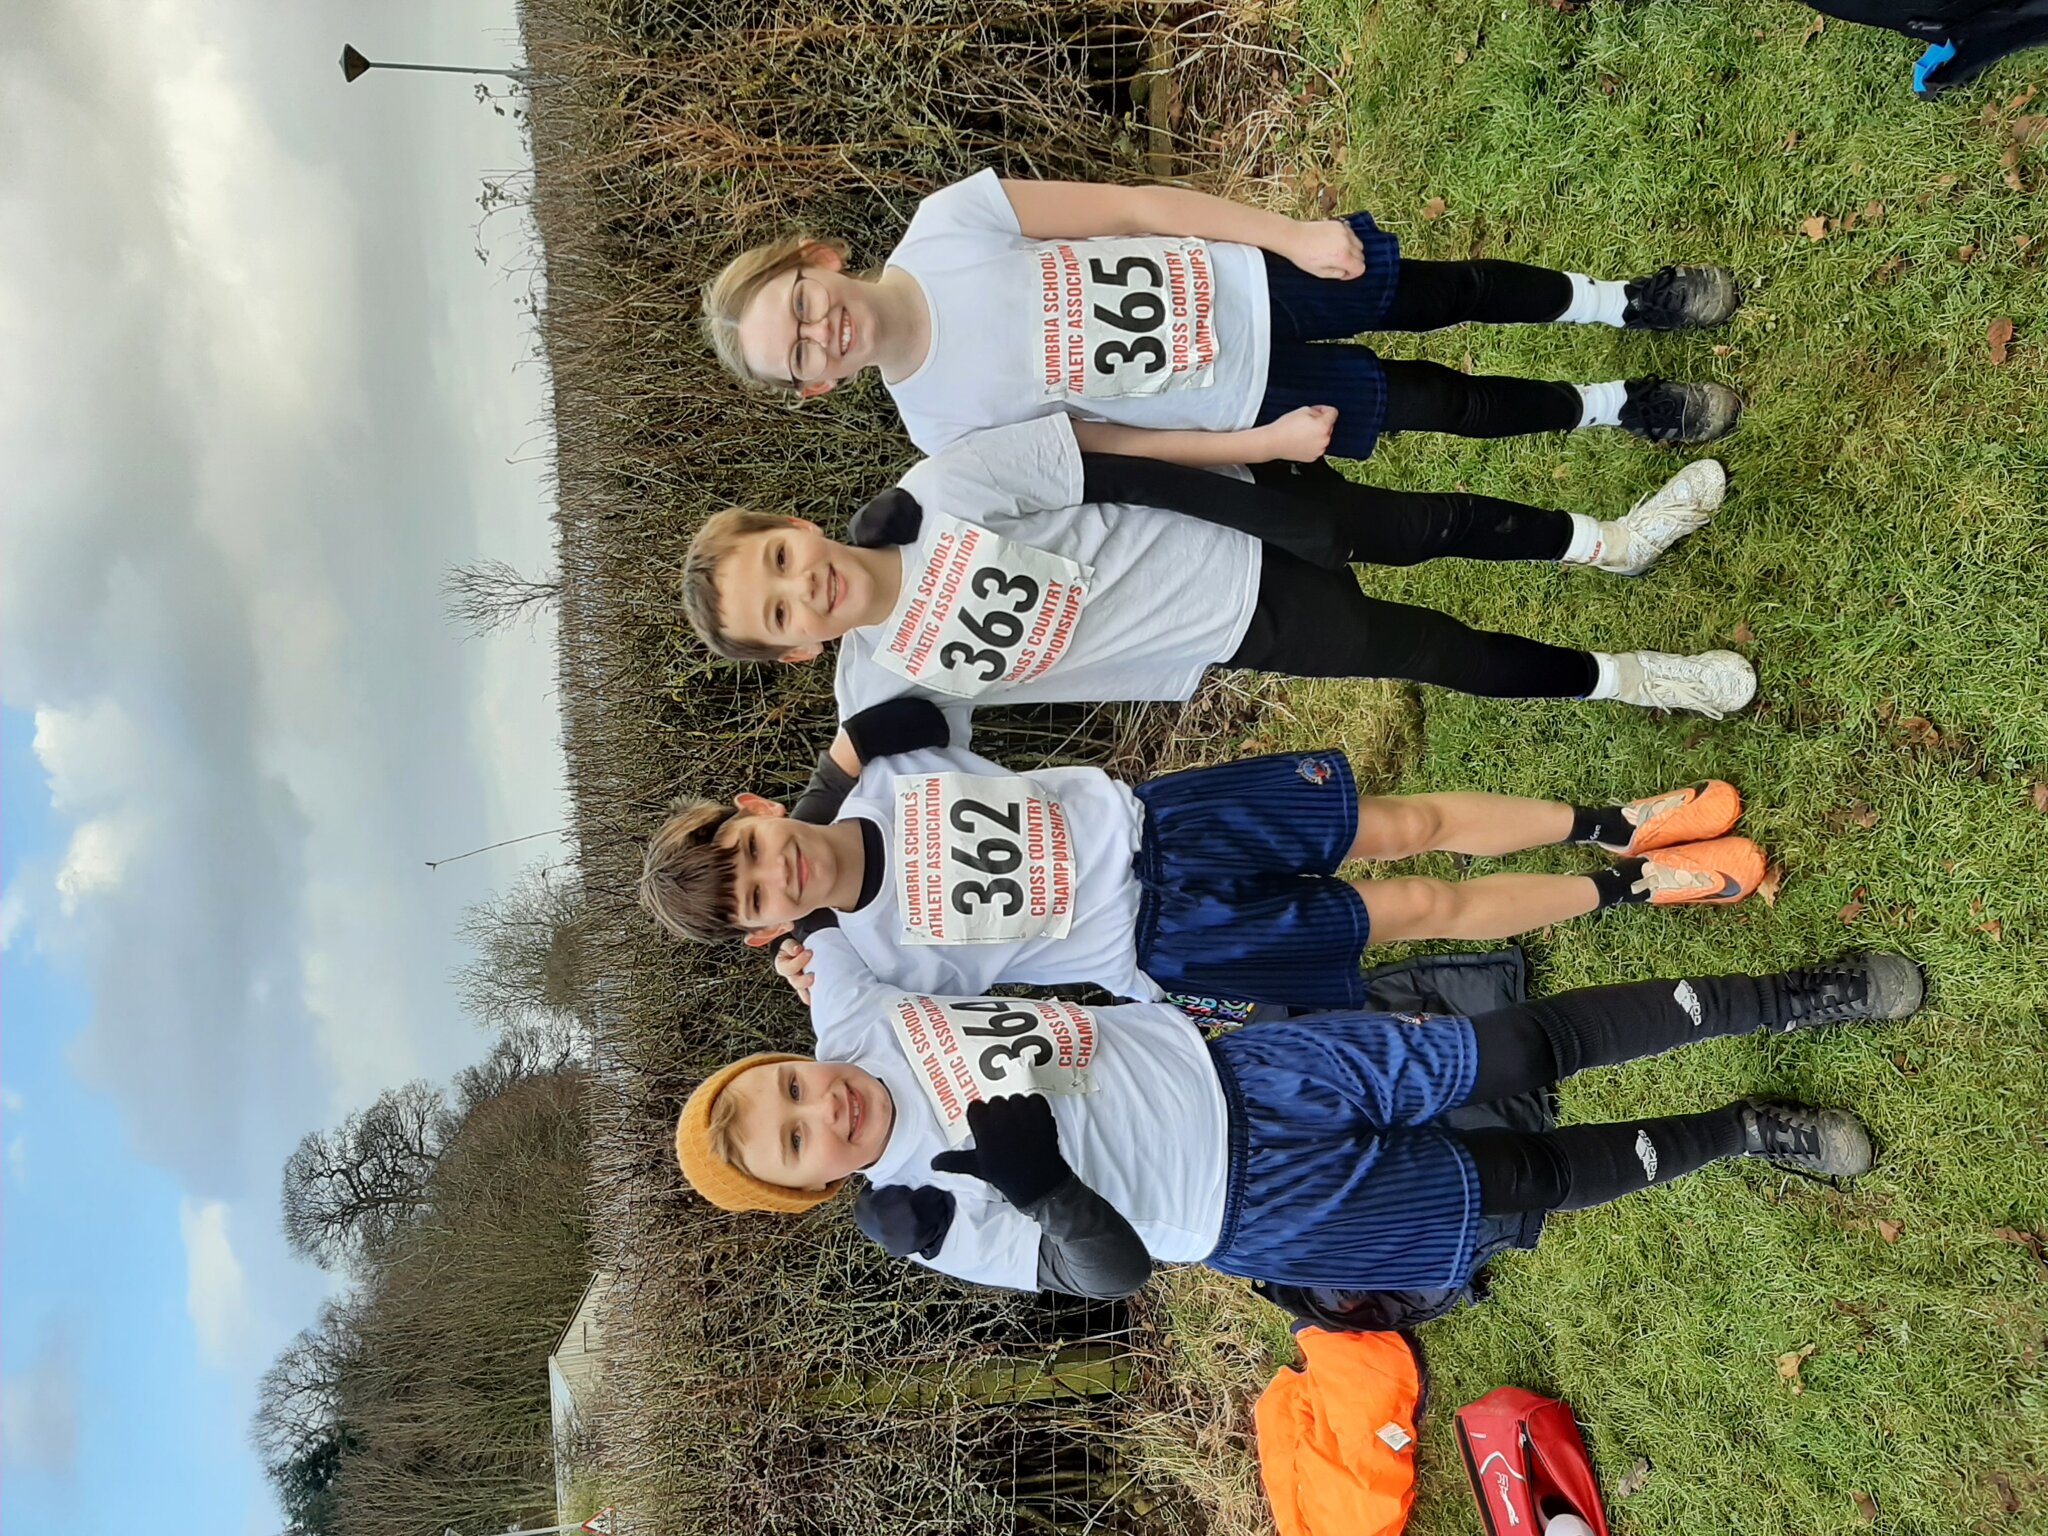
{"x":1006,"y":1020}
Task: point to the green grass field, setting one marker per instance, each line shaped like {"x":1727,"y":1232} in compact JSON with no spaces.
{"x":1880,"y":557}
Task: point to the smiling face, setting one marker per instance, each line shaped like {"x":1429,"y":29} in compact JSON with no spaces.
{"x":782,"y":869}
{"x":806,"y":1124}
{"x":812,"y":328}
{"x":791,"y":590}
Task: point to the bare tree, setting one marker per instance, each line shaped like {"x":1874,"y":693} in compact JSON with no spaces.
{"x":531,"y":945}
{"x":491,"y":595}
{"x":347,"y":1191}
{"x":536,"y":1049}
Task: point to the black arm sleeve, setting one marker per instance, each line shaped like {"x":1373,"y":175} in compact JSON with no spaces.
{"x":1087,"y":1248}
{"x":906,"y":724}
{"x":1304,"y":527}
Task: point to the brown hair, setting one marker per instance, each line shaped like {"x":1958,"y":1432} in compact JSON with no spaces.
{"x":686,"y":880}
{"x":727,"y":296}
{"x":719,"y":537}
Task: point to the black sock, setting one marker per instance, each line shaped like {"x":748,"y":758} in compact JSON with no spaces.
{"x":1617,"y":885}
{"x":1578,"y":1166}
{"x":1605,"y":1026}
{"x":1603,"y":824}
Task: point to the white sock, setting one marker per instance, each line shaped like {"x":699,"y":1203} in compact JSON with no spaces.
{"x":1587,"y":540}
{"x":1608,"y":684}
{"x":1594,"y":302}
{"x":1603,"y":403}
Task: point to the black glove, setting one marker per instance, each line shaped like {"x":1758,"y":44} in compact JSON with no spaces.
{"x":1016,"y":1148}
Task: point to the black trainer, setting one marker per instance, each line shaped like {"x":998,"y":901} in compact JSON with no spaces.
{"x":1856,"y":986}
{"x":1662,"y":411}
{"x":1681,"y":299}
{"x":1827,"y":1143}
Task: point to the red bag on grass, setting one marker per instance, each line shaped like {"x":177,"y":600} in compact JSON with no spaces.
{"x":1528,"y":1463}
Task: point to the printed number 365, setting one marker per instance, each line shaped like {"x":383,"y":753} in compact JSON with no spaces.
{"x":1140,"y":313}
{"x":998,"y":627}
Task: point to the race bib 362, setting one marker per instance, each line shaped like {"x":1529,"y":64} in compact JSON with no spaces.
{"x":964,"y":1049}
{"x":980,"y":860}
{"x":982,"y":612}
{"x":1124,"y":317}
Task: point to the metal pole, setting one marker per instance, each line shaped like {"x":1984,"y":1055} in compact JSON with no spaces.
{"x":354,"y":66}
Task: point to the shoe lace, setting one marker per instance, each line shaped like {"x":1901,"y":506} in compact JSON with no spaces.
{"x":1659,"y":410}
{"x":1819,"y":990}
{"x":1643,"y":811}
{"x":1682,"y":682}
{"x":1658,"y":876}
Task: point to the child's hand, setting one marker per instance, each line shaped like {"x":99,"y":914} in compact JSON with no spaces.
{"x":793,"y":965}
{"x":1327,"y":248}
{"x":1302,"y":435}
{"x":1016,"y":1148}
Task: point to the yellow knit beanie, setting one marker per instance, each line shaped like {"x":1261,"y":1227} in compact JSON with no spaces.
{"x":727,"y":1187}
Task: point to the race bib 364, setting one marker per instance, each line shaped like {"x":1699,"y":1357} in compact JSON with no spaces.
{"x":1124,"y":317}
{"x":980,"y":860}
{"x":982,"y":612}
{"x":964,"y":1049}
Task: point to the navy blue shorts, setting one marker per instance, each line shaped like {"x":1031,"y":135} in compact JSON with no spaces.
{"x":1337,"y":1175}
{"x":1309,"y":310}
{"x":1240,"y":900}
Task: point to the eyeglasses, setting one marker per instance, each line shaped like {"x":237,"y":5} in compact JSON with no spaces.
{"x":808,"y":302}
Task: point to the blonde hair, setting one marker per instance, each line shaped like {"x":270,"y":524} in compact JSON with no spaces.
{"x":718,"y":537}
{"x":686,"y":877}
{"x":705,"y":1152}
{"x":727,"y":296}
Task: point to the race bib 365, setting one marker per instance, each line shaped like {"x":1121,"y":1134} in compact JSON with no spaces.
{"x":982,"y":612}
{"x":964,"y":1049}
{"x":1124,"y":317}
{"x":980,"y":860}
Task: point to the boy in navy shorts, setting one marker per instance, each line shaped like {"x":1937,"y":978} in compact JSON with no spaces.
{"x":949,"y":874}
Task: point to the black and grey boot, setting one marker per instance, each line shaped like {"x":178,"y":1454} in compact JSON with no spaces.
{"x":1664,"y":411}
{"x":1681,"y":299}
{"x":1859,"y":986}
{"x":1828,"y":1143}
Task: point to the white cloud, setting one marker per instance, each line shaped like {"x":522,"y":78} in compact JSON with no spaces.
{"x":13,"y":914}
{"x":96,"y":860}
{"x":17,"y":1158}
{"x":39,"y":1407}
{"x":216,"y":1291}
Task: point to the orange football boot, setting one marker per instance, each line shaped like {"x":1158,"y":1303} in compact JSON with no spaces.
{"x":1720,"y":872}
{"x":1690,"y":815}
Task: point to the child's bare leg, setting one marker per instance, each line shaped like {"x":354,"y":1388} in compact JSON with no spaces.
{"x":1401,"y":826}
{"x":1491,"y":907}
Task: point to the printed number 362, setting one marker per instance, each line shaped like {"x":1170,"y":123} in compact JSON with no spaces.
{"x":1140,"y":313}
{"x":998,"y":627}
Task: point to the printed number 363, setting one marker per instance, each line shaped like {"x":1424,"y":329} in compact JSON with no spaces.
{"x":998,"y":627}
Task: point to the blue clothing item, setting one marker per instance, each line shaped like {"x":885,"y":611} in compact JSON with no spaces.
{"x":1338,"y":1176}
{"x":1239,"y":899}
{"x":1937,"y":54}
{"x":1308,"y":309}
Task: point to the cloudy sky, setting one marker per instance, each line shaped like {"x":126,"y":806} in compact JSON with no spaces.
{"x":257,"y":393}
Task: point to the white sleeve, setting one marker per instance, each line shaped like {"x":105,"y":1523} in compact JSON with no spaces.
{"x":978,"y":204}
{"x":1027,"y":466}
{"x":844,"y":992}
{"x":989,"y":1242}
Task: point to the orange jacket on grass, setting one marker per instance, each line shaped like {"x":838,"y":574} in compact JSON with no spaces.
{"x":1337,"y":1436}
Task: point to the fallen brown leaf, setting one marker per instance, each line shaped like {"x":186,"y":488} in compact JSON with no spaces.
{"x":2026,"y":1240}
{"x":1326,"y":200}
{"x":2029,"y":130}
{"x":1772,"y":882}
{"x":1460,"y":57}
{"x":1851,"y":912}
{"x":1819,"y":26}
{"x":1966,"y":254}
{"x":1791,"y":141}
{"x":1999,"y":335}
{"x":1742,"y":634}
{"x":1996,"y":928}
{"x":1722,"y":349}
{"x":1815,"y":228}
{"x":2021,"y":100}
{"x":1633,"y":1480}
{"x":1435,"y":208}
{"x":2007,"y":1499}
{"x":1890,"y":1230}
{"x":1866,"y":1506}
{"x":1873,"y":211}
{"x":2041,"y":797}
{"x":1788,"y":1366}
{"x":1905,"y":1067}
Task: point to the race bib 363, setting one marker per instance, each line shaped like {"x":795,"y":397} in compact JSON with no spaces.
{"x":980,"y":860}
{"x":964,"y":1049}
{"x":1124,"y":317}
{"x":982,"y":612}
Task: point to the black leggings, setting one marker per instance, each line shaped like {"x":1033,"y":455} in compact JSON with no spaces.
{"x":1427,"y":397}
{"x":1315,"y":622}
{"x":1536,"y":1044}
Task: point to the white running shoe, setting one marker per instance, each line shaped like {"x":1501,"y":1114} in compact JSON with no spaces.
{"x":1714,"y":683}
{"x":1683,"y":504}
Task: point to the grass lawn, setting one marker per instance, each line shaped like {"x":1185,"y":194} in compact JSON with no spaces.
{"x":1881,"y":558}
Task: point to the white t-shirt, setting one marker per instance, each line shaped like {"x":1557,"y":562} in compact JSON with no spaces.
{"x":1008,"y":313}
{"x":1066,"y":601}
{"x":1151,"y":1139}
{"x":998,"y":853}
